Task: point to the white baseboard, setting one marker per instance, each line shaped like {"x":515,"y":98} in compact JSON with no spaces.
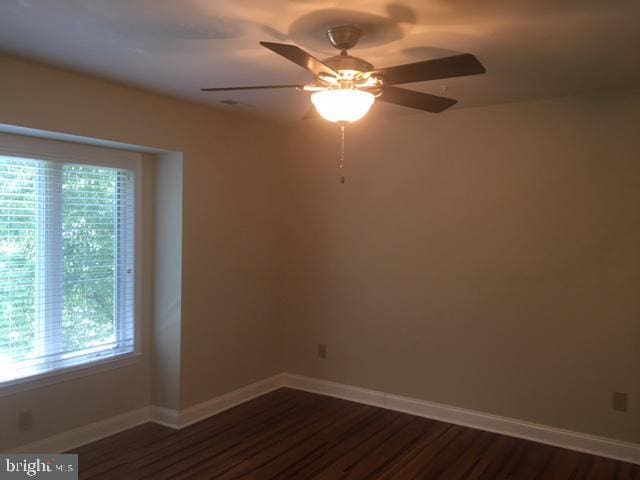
{"x":606,"y":447}
{"x":86,"y":434}
{"x":164,"y":416}
{"x":196,"y":413}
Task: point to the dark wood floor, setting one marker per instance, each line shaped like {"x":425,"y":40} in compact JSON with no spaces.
{"x":288,"y":434}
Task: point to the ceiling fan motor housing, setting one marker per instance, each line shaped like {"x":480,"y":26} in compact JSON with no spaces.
{"x":347,"y":62}
{"x":345,"y":37}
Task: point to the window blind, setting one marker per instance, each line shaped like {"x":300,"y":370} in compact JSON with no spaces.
{"x":67,"y":235}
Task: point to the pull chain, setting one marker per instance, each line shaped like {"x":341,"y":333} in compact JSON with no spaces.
{"x":341,"y":160}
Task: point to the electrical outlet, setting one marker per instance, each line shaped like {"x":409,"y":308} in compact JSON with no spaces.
{"x":322,"y":350}
{"x":620,"y":400}
{"x":25,"y":421}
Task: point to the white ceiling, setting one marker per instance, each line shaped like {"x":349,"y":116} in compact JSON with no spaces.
{"x":531,"y":48}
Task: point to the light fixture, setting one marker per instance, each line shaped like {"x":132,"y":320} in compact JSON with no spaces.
{"x":342,"y":105}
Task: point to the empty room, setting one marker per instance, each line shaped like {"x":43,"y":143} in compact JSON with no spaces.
{"x":320,"y":239}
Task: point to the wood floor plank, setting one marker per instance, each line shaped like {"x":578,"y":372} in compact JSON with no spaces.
{"x":220,"y":451}
{"x":492,"y":461}
{"x":295,"y":435}
{"x":339,"y":447}
{"x":341,"y":467}
{"x":297,"y":457}
{"x":437,"y":466}
{"x":461,"y":468}
{"x":254,"y":466}
{"x":561,"y":465}
{"x":534,"y":462}
{"x":183,"y":443}
{"x":209,"y":465}
{"x":400,"y":468}
{"x":119,"y":449}
{"x":430,"y":451}
{"x":389,"y":451}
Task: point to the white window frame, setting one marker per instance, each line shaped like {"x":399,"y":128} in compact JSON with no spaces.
{"x":67,"y":152}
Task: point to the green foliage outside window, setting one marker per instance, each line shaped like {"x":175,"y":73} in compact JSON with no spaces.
{"x":89,"y":253}
{"x":17,"y":257}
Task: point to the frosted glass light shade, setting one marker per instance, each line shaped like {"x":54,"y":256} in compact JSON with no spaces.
{"x":342,"y":105}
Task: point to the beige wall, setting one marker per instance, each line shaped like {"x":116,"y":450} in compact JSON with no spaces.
{"x":485,"y":258}
{"x":231,"y":233}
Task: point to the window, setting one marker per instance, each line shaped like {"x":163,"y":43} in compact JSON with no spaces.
{"x":67,"y":266}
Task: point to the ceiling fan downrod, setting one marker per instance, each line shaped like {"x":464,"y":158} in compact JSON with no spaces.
{"x":344,"y":37}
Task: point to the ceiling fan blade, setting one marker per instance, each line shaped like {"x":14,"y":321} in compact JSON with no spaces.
{"x":254,"y":87}
{"x":413,"y":99}
{"x":446,"y":67}
{"x":300,"y":57}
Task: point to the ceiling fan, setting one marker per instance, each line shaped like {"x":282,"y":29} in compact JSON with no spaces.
{"x":346,"y":87}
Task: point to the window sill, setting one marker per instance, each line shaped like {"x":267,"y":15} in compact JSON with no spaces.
{"x":70,"y":373}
